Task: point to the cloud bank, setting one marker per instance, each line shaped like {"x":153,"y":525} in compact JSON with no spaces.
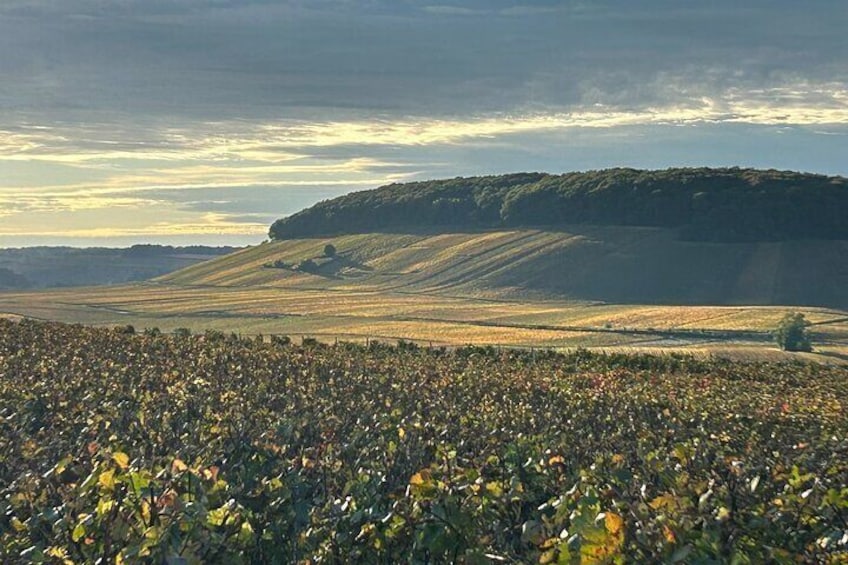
{"x":217,"y":116}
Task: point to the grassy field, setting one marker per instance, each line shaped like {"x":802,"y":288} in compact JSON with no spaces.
{"x":524,"y":288}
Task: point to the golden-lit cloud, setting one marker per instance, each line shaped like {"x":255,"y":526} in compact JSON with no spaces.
{"x":105,"y":218}
{"x":280,"y":147}
{"x":118,"y":170}
{"x":155,"y":230}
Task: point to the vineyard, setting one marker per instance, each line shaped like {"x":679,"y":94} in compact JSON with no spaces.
{"x":132,"y":447}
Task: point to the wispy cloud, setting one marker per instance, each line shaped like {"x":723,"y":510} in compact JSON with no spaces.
{"x":241,"y":154}
{"x":282,"y":146}
{"x":207,"y":224}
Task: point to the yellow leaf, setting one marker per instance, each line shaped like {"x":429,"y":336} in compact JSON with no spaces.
{"x":122,"y":459}
{"x":57,"y":552}
{"x":614,"y":524}
{"x":494,"y":488}
{"x":420,"y":478}
{"x":602,"y":545}
{"x":107,"y":479}
{"x":592,"y":554}
{"x":178,"y":466}
{"x":18,"y":525}
{"x":547,"y":557}
{"x":663,"y":501}
{"x":211,"y":474}
{"x":401,"y":433}
{"x":145,"y":511}
{"x":62,"y":465}
{"x":669,"y":534}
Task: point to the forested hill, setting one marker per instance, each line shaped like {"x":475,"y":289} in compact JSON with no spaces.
{"x":704,"y":204}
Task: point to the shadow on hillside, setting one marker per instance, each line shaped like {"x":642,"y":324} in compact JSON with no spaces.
{"x":832,"y":354}
{"x":339,"y":267}
{"x":641,"y":265}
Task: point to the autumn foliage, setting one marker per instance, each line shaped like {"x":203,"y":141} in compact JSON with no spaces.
{"x":212,"y":448}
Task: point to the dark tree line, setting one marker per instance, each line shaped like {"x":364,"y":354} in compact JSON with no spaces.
{"x":704,"y":204}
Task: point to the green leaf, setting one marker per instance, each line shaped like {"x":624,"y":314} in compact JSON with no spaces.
{"x":78,"y":533}
{"x":217,"y":516}
{"x":681,"y":554}
{"x":62,"y":465}
{"x":246,"y":534}
{"x":532,"y":532}
{"x":104,"y":506}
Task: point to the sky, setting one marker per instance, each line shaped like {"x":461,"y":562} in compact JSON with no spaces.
{"x":202,"y":121}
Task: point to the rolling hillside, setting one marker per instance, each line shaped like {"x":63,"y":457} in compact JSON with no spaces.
{"x":628,"y":265}
{"x":682,"y":269}
{"x":602,"y":287}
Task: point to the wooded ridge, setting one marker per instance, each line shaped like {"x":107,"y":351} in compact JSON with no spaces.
{"x":727,"y":204}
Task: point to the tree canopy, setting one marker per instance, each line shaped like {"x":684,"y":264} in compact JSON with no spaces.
{"x":729,"y":204}
{"x":791,"y":334}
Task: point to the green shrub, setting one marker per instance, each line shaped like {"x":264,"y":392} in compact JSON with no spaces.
{"x":791,"y":333}
{"x":280,"y":340}
{"x":307,"y":266}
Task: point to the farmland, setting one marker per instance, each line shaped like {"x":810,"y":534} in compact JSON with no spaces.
{"x":216,"y":448}
{"x":526,"y":288}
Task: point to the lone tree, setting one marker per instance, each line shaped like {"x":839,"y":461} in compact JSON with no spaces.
{"x":791,"y":334}
{"x":329,"y":250}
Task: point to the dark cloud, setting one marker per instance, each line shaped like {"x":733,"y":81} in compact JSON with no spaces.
{"x":228,"y":59}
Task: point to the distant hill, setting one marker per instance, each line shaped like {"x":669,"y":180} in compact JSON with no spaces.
{"x":730,"y":205}
{"x":51,"y":267}
{"x":10,"y":279}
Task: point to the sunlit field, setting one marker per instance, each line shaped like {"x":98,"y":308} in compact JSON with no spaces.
{"x":441,"y":289}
